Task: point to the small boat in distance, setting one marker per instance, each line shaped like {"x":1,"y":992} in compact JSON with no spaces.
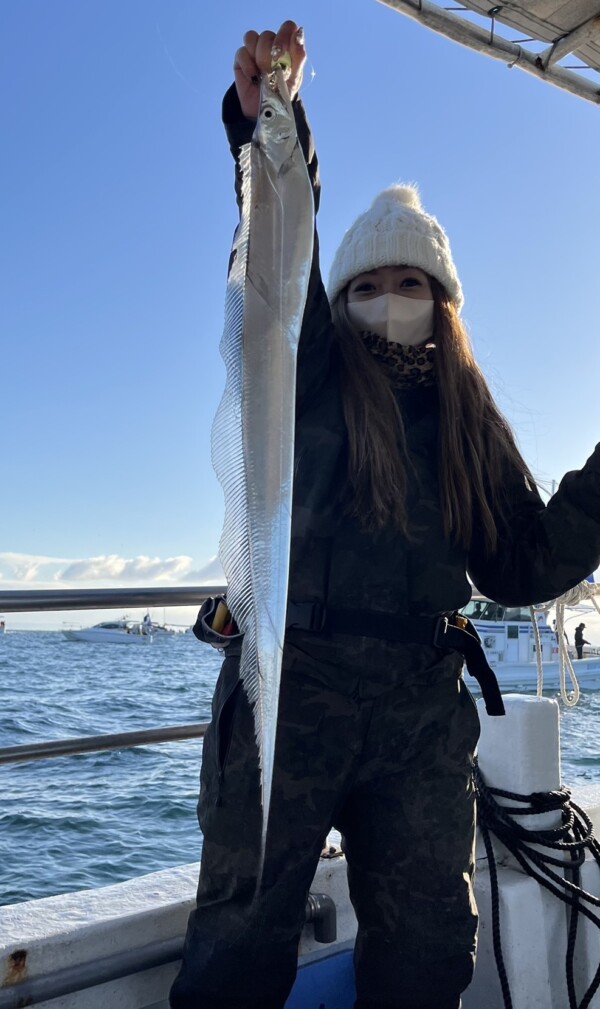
{"x":118,"y":632}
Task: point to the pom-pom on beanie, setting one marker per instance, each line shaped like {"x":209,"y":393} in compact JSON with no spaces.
{"x":395,"y":231}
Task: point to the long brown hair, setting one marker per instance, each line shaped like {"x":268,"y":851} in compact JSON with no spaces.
{"x":475,"y":441}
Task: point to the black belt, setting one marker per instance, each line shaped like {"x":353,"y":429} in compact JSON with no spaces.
{"x":451,"y":631}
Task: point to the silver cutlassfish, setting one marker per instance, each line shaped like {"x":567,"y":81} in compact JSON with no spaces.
{"x":253,"y":431}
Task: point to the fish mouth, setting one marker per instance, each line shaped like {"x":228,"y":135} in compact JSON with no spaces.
{"x":275,"y":97}
{"x":277,"y":80}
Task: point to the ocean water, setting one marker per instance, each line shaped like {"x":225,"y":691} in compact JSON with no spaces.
{"x":69,"y":823}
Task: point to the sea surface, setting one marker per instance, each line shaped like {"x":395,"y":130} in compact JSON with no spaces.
{"x":70,"y":823}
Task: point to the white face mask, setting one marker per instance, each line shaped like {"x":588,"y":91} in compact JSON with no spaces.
{"x":408,"y":321}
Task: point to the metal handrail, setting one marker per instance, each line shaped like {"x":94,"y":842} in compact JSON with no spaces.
{"x":119,"y":964}
{"x":24,"y":600}
{"x":88,"y":744}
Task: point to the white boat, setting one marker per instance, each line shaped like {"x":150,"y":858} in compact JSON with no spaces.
{"x":120,"y":632}
{"x":510,"y":643}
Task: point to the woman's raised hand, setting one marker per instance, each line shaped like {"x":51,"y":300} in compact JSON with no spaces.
{"x":256,"y":57}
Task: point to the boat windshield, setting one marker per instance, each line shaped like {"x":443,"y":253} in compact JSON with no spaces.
{"x":483,"y":609}
{"x":518,"y":613}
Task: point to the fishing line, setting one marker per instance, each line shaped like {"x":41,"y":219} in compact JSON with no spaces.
{"x":172,"y":62}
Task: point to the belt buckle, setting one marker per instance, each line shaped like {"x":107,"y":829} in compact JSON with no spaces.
{"x":439,"y":632}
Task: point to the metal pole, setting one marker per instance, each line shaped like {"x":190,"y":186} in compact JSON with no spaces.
{"x":100,"y":599}
{"x":120,"y":964}
{"x":88,"y":744}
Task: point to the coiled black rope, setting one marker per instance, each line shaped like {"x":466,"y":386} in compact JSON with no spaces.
{"x":570,"y":841}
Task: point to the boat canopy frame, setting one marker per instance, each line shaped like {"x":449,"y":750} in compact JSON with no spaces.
{"x":569,"y":29}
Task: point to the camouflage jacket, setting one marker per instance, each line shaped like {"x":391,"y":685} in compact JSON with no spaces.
{"x":543,"y":549}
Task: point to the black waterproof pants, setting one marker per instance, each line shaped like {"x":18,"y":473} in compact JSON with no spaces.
{"x":375,"y":739}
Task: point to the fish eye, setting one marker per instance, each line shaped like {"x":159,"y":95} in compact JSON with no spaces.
{"x":268,"y":113}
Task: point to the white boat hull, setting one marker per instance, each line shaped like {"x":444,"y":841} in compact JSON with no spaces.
{"x":113,"y":637}
{"x":522,"y":676}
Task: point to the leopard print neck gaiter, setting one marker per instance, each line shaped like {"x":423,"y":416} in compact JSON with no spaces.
{"x":404,"y":366}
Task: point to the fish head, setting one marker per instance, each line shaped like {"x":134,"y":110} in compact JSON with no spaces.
{"x":275,"y":131}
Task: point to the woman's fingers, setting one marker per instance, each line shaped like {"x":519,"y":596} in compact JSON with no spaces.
{"x":245,"y":63}
{"x":250,"y":40}
{"x":269,"y":46}
{"x":247,"y":75}
{"x":257,"y":56}
{"x":264,"y":47}
{"x":285,"y":39}
{"x":290,"y":39}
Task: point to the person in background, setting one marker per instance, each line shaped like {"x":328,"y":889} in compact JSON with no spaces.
{"x":407,"y":476}
{"x":555,"y":629}
{"x":580,"y":640}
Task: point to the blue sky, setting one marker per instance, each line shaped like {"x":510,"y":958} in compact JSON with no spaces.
{"x":115,"y":230}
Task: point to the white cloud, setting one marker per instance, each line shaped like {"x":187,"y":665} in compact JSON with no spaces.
{"x":26,"y":567}
{"x":115,"y":568}
{"x":32,"y":571}
{"x":211,"y":572}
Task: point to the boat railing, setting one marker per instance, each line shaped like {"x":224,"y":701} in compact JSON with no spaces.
{"x":56,"y":600}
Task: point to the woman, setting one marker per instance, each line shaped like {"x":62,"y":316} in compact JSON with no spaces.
{"x":407,"y":476}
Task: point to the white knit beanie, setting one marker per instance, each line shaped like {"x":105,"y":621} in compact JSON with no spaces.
{"x":396,"y":231}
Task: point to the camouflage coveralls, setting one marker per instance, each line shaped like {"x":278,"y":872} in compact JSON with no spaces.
{"x":385,"y":757}
{"x":374,"y":737}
